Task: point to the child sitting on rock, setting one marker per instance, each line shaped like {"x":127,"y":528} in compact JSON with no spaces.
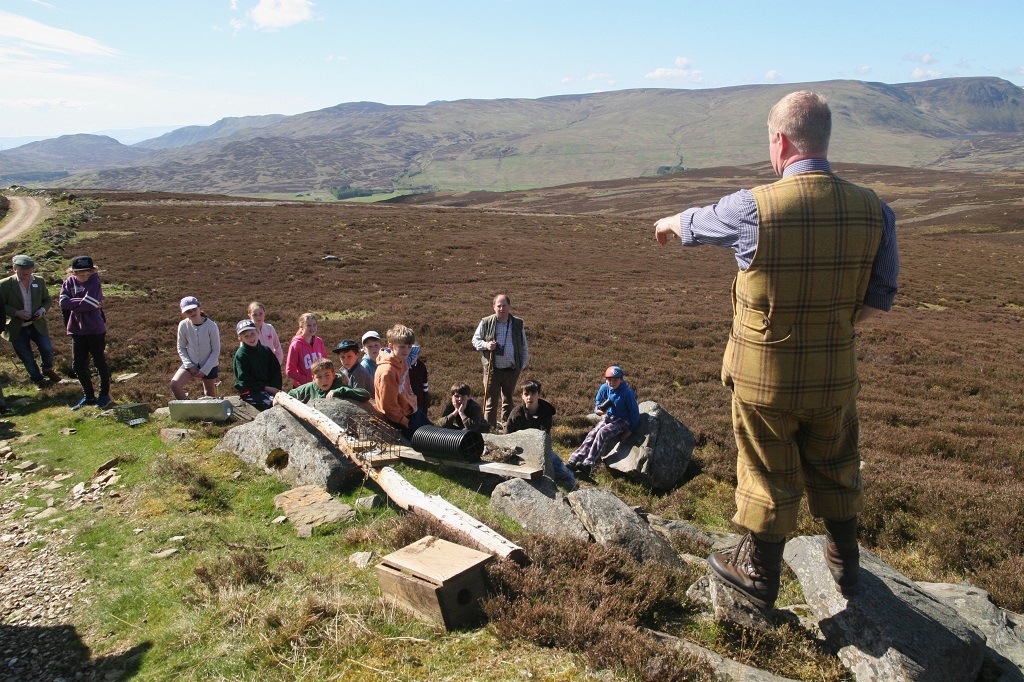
{"x":616,"y":405}
{"x":327,"y":383}
{"x":257,"y":369}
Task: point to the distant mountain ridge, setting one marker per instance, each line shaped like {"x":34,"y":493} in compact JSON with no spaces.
{"x":502,"y":144}
{"x":224,"y":128}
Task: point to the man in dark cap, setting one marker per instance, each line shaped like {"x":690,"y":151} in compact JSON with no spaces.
{"x":26,"y":300}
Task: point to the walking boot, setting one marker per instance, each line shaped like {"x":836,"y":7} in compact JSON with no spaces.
{"x":753,"y":568}
{"x":842,"y":554}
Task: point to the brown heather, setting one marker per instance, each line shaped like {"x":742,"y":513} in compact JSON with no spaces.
{"x":942,"y":404}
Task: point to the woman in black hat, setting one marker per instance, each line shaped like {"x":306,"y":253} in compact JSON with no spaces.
{"x":81,"y":300}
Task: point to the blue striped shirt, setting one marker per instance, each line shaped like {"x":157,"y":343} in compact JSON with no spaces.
{"x":732,"y":223}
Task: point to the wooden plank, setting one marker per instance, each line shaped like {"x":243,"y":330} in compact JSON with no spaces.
{"x":525,"y":471}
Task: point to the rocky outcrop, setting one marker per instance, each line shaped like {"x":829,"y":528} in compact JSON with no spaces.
{"x":611,"y":522}
{"x":659,"y":451}
{"x":890,"y":629}
{"x":542,"y":509}
{"x":722,"y":669}
{"x":1004,"y":630}
{"x":533,"y":446}
{"x":292,"y":450}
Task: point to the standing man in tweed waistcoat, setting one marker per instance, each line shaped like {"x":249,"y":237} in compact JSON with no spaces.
{"x":817,"y":255}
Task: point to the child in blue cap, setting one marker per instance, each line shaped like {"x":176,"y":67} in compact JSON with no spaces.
{"x":616,"y":405}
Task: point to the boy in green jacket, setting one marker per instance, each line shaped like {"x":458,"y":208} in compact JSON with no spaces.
{"x":327,"y":383}
{"x":257,"y":370}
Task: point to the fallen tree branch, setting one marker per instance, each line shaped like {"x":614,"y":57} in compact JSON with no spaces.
{"x":404,"y":494}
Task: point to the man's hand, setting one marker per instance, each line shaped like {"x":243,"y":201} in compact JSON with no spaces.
{"x":194,"y":371}
{"x":491,"y":345}
{"x":666,"y":226}
{"x":22,"y":315}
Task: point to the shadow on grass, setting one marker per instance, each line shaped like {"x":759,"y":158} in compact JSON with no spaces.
{"x":46,"y":653}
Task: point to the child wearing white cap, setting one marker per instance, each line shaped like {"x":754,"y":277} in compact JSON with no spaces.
{"x":198,"y":348}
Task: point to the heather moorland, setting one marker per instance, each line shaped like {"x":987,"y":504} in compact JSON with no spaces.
{"x":941,"y":405}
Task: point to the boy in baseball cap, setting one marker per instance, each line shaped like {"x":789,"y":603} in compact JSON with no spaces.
{"x":257,"y":370}
{"x":616,"y":405}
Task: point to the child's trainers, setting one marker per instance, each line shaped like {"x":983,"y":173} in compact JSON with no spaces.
{"x":85,"y":401}
{"x":102,"y":401}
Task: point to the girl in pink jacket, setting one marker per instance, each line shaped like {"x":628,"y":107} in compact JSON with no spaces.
{"x":305,"y":349}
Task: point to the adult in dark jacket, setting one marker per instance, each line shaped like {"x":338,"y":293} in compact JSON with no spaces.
{"x":26,"y":300}
{"x":81,"y":300}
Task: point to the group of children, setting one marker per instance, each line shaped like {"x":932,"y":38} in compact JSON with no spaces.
{"x":392,"y":377}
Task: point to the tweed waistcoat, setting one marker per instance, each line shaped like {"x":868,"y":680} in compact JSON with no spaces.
{"x":792,"y":344}
{"x":491,"y":326}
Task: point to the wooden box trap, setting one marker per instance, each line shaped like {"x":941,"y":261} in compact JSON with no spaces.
{"x":435,"y":580}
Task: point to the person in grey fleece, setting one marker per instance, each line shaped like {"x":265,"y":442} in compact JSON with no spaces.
{"x":198,"y":348}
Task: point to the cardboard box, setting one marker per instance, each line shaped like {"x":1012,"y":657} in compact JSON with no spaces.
{"x":436,"y":580}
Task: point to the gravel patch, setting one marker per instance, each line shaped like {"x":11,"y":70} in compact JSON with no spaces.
{"x":39,"y":584}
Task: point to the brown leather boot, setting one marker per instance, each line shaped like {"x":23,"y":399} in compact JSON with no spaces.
{"x":842,"y":554}
{"x":753,"y":568}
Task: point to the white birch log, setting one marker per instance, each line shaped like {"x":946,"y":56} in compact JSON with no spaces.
{"x":405,"y":494}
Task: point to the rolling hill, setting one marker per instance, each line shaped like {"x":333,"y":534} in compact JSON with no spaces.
{"x":954,"y":124}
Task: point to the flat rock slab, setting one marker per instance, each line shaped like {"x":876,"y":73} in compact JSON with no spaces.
{"x":169,"y":435}
{"x":682,"y":532}
{"x":543,"y":510}
{"x":723,"y":669}
{"x":532,"y":445}
{"x":890,"y":629}
{"x":1004,"y":630}
{"x":310,"y":506}
{"x":612,"y":522}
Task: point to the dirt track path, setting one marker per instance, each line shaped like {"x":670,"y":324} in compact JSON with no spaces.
{"x":25,"y":213}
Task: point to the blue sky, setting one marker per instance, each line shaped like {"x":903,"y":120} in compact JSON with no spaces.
{"x":70,"y":66}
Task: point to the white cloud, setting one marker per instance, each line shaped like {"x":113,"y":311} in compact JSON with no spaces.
{"x":772,"y":75}
{"x":861,"y":70}
{"x":680,"y":72}
{"x":272,"y":14}
{"x":32,"y":35}
{"x":926,"y":58}
{"x":45,"y":104}
{"x":921,"y":74}
{"x":605,"y":78}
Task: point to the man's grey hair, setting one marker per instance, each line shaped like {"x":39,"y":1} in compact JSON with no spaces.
{"x":805,"y":119}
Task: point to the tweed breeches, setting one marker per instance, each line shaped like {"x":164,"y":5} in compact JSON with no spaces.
{"x":783,"y":453}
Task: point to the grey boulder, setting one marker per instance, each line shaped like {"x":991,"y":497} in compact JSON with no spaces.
{"x":658,"y":453}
